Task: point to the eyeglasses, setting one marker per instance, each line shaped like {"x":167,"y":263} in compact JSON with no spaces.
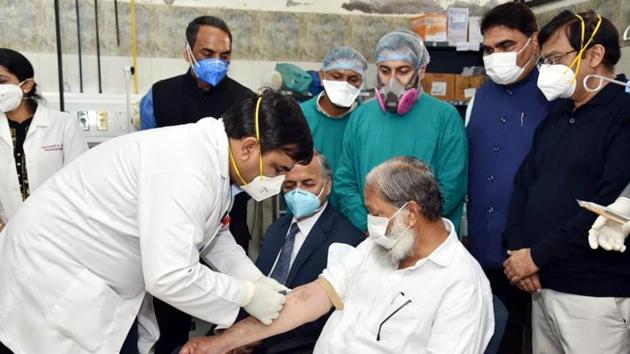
{"x":378,"y":334}
{"x":554,"y":59}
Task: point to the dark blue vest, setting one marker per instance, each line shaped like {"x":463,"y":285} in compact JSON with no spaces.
{"x":500,"y":131}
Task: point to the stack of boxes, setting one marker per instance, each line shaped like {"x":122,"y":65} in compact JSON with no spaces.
{"x":460,"y":30}
{"x":452,"y":87}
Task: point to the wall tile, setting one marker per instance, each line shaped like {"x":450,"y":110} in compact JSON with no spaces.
{"x":282,"y":36}
{"x":324,"y":32}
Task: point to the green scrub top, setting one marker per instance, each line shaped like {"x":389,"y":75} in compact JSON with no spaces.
{"x":432,"y":131}
{"x":327,"y":135}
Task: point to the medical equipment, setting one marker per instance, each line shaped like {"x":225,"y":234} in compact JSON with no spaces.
{"x":98,"y":48}
{"x":103,"y":116}
{"x":59,"y":56}
{"x":76,"y":9}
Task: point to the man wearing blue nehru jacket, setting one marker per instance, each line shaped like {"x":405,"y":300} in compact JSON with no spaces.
{"x":402,"y":121}
{"x":327,"y":114}
{"x":501,"y":120}
{"x":204,"y":90}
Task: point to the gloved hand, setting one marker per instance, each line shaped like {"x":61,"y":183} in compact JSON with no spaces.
{"x":266,"y":300}
{"x":609,"y":234}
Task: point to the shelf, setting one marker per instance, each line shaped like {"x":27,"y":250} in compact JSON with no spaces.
{"x":445,"y":46}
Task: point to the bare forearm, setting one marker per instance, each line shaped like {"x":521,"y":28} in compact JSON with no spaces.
{"x":305,"y":304}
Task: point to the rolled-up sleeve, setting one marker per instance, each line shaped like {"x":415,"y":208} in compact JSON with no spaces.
{"x":341,"y":275}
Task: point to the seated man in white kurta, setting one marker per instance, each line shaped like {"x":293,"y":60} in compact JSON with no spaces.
{"x":410,"y":287}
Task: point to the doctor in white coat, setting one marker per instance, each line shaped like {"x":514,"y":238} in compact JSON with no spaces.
{"x":133,"y":216}
{"x":35,"y":141}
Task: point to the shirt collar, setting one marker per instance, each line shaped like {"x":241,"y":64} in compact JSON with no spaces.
{"x":355,"y":104}
{"x":443,"y":255}
{"x":306,"y":224}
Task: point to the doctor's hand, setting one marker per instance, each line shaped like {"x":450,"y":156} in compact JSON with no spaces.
{"x":519,"y":265}
{"x":266,"y":301}
{"x":609,"y":234}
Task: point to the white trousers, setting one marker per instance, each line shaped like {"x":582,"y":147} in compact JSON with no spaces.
{"x":575,"y":324}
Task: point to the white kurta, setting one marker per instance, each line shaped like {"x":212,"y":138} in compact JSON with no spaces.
{"x":442,"y":304}
{"x":133,"y":214}
{"x":53,"y":139}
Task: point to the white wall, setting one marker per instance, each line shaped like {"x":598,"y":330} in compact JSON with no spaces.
{"x":624,"y":64}
{"x":556,"y":5}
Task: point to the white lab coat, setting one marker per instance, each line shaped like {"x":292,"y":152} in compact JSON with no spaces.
{"x":53,"y":139}
{"x":132,"y":215}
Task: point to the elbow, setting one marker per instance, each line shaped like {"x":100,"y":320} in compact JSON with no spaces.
{"x":165,"y":286}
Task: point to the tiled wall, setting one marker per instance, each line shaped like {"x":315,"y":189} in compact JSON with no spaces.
{"x":258,"y":35}
{"x":261,"y":39}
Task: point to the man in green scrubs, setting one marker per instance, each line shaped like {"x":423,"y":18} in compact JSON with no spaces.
{"x":328,"y":113}
{"x":402,"y":121}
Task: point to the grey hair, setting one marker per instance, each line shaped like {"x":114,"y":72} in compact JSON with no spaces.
{"x":403,"y":179}
{"x":324,"y":166}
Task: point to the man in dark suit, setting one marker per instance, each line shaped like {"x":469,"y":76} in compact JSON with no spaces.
{"x":295,"y":247}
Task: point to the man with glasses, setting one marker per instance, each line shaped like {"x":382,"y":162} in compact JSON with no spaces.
{"x":581,"y":302}
{"x":410,"y":287}
{"x":501,"y":120}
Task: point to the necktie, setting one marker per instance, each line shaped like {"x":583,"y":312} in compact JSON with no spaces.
{"x":281,"y":271}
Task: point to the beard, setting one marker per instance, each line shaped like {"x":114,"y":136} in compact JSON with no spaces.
{"x":402,"y":249}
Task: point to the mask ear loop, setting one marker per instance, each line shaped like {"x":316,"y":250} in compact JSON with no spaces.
{"x":584,"y":46}
{"x":238,"y":173}
{"x":258,"y":135}
{"x":190,"y":53}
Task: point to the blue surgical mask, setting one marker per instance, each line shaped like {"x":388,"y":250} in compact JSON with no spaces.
{"x":303,"y":203}
{"x":211,"y":70}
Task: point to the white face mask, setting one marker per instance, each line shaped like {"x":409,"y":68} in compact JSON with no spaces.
{"x":556,"y":81}
{"x":377,"y":229}
{"x":502,"y":67}
{"x":10,"y":96}
{"x":341,"y":93}
{"x":263,"y":187}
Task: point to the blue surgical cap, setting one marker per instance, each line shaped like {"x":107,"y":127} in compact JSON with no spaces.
{"x":345,"y":58}
{"x":402,"y":45}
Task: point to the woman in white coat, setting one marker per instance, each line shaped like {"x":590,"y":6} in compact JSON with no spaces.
{"x":35,"y":141}
{"x":133,"y":216}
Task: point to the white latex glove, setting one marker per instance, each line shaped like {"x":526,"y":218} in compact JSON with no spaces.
{"x":609,"y":234}
{"x":266,"y":301}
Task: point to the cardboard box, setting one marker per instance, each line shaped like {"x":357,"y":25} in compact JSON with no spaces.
{"x":441,"y":86}
{"x":466,"y":86}
{"x":457,"y":25}
{"x":431,"y":27}
{"x":474,"y":29}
